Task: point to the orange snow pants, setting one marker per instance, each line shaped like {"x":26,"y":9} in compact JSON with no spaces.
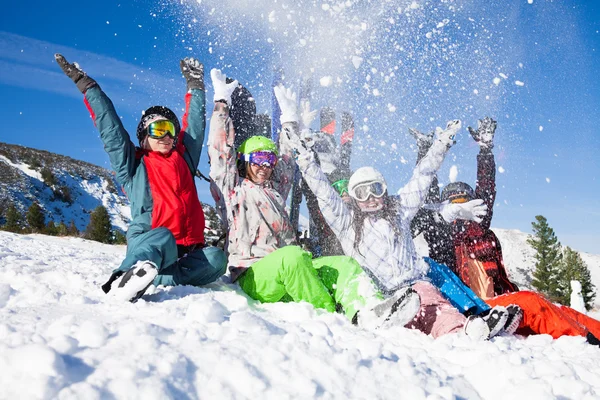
{"x":542,"y":316}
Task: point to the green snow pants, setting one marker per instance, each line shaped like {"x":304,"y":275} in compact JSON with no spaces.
{"x":199,"y":267}
{"x":290,"y":274}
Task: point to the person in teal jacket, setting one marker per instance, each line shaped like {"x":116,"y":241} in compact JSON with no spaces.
{"x":165,"y":241}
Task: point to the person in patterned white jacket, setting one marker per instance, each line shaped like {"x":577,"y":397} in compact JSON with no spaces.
{"x":375,"y":230}
{"x":262,"y":253}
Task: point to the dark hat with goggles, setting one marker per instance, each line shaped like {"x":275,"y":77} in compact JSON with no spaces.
{"x":158,"y":122}
{"x":458,"y":192}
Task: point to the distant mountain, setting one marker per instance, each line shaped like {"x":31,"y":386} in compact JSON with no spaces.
{"x":67,"y":189}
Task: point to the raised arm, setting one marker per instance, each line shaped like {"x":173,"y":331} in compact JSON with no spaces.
{"x":334,"y":210}
{"x":412,"y":195}
{"x":120,"y":149}
{"x":221,"y":152}
{"x":194,"y":119}
{"x":284,"y":172}
{"x":486,"y":166}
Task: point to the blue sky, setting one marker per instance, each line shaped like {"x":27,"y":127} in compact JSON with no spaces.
{"x":532,"y":65}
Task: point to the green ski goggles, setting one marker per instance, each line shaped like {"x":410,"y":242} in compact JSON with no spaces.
{"x":341,"y":186}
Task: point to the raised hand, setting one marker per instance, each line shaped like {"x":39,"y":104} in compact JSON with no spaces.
{"x":74,"y":72}
{"x":447,"y":135}
{"x":288,"y":103}
{"x":484,"y":135}
{"x":297,"y":144}
{"x":473,"y":210}
{"x":223,"y":90}
{"x":306,"y":115}
{"x":193,"y":72}
{"x":424,"y":140}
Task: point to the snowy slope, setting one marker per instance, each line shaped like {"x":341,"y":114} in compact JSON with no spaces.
{"x":88,"y":185}
{"x":61,"y":337}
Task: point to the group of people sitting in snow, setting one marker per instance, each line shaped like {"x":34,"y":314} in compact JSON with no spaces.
{"x":377,"y":279}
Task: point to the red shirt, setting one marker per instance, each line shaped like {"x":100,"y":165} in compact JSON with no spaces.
{"x":175,"y":201}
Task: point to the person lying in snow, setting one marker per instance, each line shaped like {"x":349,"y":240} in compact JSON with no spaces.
{"x":253,"y":183}
{"x":376,"y":232}
{"x":473,"y":251}
{"x":165,"y":241}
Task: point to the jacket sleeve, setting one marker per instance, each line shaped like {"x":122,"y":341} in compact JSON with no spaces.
{"x":485,"y":188}
{"x":283,"y":175}
{"x":221,"y":154}
{"x":335,"y":212}
{"x":413,"y":194}
{"x":194,"y":125}
{"x":425,"y":221}
{"x":120,"y":149}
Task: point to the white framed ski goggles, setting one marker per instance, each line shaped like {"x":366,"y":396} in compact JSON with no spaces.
{"x":362,"y":192}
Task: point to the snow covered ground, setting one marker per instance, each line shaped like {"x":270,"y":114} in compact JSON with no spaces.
{"x":61,"y":337}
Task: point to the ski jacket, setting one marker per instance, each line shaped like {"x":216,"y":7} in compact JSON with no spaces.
{"x":478,"y":253}
{"x":160,"y":188}
{"x":256,"y":216}
{"x":390,"y":258}
{"x":469,"y":248}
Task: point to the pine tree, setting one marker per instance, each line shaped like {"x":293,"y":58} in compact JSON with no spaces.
{"x":119,"y":237}
{"x":573,"y":268}
{"x":48,"y":177}
{"x":72,"y":229}
{"x":13,"y":220}
{"x":51,"y":229}
{"x":35,"y":218}
{"x":99,"y":228}
{"x":62,"y":229}
{"x":548,"y":256}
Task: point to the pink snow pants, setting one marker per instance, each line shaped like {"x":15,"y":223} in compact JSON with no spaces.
{"x":436,"y":316}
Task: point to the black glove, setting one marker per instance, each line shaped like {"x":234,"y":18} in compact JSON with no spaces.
{"x":73,"y":71}
{"x":484,"y":135}
{"x":193,"y":72}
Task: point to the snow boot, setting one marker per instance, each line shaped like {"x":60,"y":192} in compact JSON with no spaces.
{"x":591,"y":339}
{"x":397,"y":310}
{"x":133,"y":284}
{"x":486,"y":325}
{"x":515,"y":315}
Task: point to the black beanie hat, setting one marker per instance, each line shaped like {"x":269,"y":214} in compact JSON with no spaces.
{"x":156,"y":113}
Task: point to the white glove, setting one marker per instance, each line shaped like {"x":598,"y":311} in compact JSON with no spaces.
{"x":308,"y":138}
{"x":295,"y":143}
{"x":287,"y":103}
{"x":447,"y":135}
{"x":223,"y":89}
{"x":306,"y":115}
{"x":473,"y":210}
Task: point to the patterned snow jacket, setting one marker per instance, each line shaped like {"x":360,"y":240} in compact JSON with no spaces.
{"x":390,"y":258}
{"x":160,"y":188}
{"x":477,"y":250}
{"x":256,"y":216}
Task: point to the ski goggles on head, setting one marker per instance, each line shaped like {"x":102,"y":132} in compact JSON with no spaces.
{"x":375,"y":189}
{"x":160,"y":129}
{"x":341,"y":186}
{"x":261,"y":158}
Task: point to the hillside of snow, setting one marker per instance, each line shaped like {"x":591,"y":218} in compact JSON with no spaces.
{"x":88,"y":186}
{"x":61,"y":337}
